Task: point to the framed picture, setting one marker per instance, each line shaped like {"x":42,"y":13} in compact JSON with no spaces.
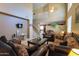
{"x":77,"y":14}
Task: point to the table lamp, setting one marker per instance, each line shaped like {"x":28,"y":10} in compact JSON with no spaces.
{"x":74,"y":52}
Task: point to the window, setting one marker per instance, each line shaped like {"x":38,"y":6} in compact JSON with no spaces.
{"x":69,"y":24}
{"x":69,"y":6}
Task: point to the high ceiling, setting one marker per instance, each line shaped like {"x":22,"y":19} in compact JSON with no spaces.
{"x":43,"y":16}
{"x":38,"y":5}
{"x":19,"y":9}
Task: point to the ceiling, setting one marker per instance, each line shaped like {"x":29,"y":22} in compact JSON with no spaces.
{"x":19,"y":9}
{"x":38,"y":5}
{"x":43,"y":16}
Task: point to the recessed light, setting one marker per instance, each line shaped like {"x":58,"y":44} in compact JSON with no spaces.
{"x":51,"y":10}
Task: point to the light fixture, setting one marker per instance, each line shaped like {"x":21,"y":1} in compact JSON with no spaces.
{"x":41,"y":27}
{"x":62,"y":32}
{"x":52,"y":9}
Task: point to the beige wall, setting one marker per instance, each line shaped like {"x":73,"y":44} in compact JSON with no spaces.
{"x":72,"y":12}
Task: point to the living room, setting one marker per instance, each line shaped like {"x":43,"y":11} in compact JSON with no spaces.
{"x":38,"y":29}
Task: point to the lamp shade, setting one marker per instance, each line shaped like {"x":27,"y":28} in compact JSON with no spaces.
{"x":74,"y":52}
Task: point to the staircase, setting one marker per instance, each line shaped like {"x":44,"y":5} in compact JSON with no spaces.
{"x":36,"y":31}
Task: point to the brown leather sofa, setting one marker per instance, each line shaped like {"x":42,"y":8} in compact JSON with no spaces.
{"x":6,"y":50}
{"x":41,"y":51}
{"x":59,"y":50}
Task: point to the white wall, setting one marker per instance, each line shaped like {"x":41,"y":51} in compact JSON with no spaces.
{"x":7,"y":24}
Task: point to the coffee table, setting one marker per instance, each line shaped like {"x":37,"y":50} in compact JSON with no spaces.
{"x":36,"y":42}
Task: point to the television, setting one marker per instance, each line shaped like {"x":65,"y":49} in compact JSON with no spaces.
{"x":19,"y":25}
